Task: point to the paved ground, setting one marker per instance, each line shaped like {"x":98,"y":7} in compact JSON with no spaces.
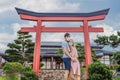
{"x":1,"y":70}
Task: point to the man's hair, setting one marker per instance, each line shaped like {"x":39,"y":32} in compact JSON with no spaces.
{"x":66,"y":34}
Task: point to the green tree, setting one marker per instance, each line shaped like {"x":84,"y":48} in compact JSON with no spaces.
{"x":59,"y":52}
{"x":94,"y":58}
{"x":99,"y":71}
{"x":112,"y":40}
{"x":81,"y":53}
{"x":116,"y":57}
{"x":21,"y":49}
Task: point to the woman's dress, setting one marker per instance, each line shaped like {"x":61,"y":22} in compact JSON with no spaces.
{"x":75,"y":66}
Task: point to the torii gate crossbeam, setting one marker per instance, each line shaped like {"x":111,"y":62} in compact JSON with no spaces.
{"x":71,"y":17}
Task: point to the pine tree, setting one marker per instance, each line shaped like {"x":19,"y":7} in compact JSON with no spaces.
{"x":21,"y":49}
{"x":112,"y":40}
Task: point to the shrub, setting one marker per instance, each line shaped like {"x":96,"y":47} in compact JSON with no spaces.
{"x":113,"y":67}
{"x":83,"y":71}
{"x":118,"y":68}
{"x":9,"y":78}
{"x":42,"y":64}
{"x":116,"y":79}
{"x":116,"y":56}
{"x":99,"y":71}
{"x":12,"y":70}
{"x":28,"y":74}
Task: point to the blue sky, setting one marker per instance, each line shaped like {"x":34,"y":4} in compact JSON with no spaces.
{"x":10,"y":22}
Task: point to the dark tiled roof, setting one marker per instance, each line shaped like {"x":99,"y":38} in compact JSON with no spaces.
{"x":98,"y":52}
{"x":48,"y":55}
{"x":2,"y":54}
{"x":44,"y":51}
{"x":50,"y":44}
{"x":101,"y":12}
{"x":58,"y":44}
{"x":103,"y":52}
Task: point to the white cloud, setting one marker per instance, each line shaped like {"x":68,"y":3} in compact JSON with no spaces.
{"x":52,"y":37}
{"x":6,"y":5}
{"x":6,"y":38}
{"x":39,"y":5}
{"x":1,"y":1}
{"x":108,"y":30}
{"x":4,"y":8}
{"x":59,"y":37}
{"x":48,"y":5}
{"x":3,"y":47}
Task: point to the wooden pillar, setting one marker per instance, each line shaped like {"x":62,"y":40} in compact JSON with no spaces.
{"x":0,"y":61}
{"x":88,"y":57}
{"x":36,"y":60}
{"x":45,"y":63}
{"x":52,"y":62}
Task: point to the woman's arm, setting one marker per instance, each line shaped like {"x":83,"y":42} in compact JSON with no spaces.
{"x":76,"y":52}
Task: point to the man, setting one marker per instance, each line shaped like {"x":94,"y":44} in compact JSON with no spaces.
{"x":66,"y":56}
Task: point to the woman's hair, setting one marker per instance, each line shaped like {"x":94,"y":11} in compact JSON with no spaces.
{"x":71,"y":40}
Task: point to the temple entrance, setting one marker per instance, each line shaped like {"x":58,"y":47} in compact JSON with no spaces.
{"x":52,"y":17}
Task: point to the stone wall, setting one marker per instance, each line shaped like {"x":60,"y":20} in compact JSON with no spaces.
{"x":51,"y":75}
{"x":56,"y":75}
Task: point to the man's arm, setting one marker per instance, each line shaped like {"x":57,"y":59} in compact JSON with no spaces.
{"x":67,"y":53}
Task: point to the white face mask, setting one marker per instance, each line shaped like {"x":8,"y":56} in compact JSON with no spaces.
{"x":68,"y":39}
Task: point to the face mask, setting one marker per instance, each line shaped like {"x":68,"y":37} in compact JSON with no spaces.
{"x":68,"y":39}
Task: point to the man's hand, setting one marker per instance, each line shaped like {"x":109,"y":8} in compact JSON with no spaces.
{"x":67,"y":53}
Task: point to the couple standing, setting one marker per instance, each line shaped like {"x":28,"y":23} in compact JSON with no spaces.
{"x":70,"y":58}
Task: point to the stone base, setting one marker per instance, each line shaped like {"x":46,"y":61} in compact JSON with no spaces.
{"x":57,"y":75}
{"x":52,"y":75}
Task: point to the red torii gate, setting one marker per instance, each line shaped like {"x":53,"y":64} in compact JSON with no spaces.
{"x":76,"y":17}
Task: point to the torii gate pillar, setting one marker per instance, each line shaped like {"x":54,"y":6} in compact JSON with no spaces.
{"x":76,"y":17}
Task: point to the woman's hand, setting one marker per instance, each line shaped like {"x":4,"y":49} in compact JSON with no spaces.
{"x":73,"y":59}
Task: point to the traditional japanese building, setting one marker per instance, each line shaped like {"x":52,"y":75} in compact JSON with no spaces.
{"x":52,"y":61}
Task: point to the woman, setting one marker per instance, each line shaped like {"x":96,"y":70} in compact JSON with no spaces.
{"x":75,"y":66}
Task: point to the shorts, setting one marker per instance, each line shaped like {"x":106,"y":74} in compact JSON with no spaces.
{"x":67,"y":62}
